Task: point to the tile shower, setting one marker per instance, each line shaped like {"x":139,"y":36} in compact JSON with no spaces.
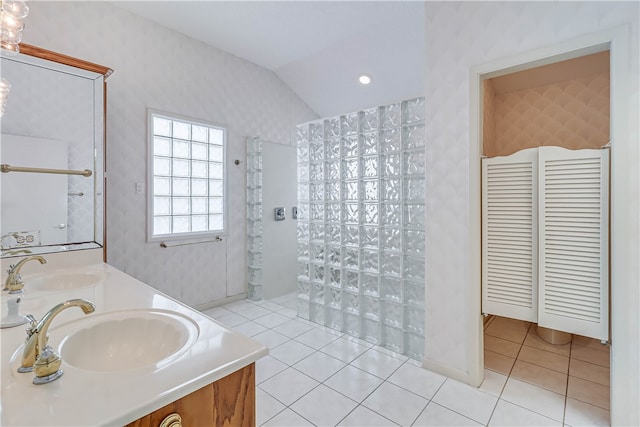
{"x":361,"y":219}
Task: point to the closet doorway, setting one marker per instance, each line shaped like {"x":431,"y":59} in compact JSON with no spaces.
{"x":563,"y":104}
{"x":547,"y":108}
{"x":624,"y":252}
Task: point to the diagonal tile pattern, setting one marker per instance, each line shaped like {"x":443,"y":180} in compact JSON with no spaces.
{"x":320,"y":377}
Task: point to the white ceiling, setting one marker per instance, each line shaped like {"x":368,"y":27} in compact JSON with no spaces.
{"x":318,"y":48}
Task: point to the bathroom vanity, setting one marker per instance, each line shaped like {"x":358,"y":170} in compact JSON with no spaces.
{"x":138,"y":359}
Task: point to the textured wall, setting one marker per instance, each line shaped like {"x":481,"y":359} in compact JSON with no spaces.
{"x":459,"y":36}
{"x":573,"y":114}
{"x":159,"y":68}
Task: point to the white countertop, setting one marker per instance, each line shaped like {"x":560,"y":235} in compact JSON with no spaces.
{"x":88,"y":398}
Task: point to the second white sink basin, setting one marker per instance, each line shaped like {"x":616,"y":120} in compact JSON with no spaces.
{"x":63,"y":281}
{"x":124,"y":340}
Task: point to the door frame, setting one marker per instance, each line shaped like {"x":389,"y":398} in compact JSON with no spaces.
{"x":624,"y":253}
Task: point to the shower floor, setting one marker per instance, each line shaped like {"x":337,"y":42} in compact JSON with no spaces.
{"x":318,"y":376}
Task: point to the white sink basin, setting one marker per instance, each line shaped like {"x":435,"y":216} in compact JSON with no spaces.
{"x":125,"y":340}
{"x":63,"y":281}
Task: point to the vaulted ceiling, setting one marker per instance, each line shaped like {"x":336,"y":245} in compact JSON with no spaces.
{"x":318,"y":48}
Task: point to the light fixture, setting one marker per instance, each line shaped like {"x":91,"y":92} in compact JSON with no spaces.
{"x":12,"y":14}
{"x":12,"y":17}
{"x":365,"y":79}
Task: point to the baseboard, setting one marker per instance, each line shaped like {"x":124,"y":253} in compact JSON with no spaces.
{"x":219,"y":302}
{"x":456,"y":374}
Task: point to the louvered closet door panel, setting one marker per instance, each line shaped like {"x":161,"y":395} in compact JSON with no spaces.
{"x":573,"y":251}
{"x":509,"y":235}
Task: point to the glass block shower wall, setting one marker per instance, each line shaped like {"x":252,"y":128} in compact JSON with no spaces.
{"x":361,"y":240}
{"x":254,"y":218}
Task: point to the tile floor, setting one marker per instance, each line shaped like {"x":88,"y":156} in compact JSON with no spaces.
{"x":318,"y":376}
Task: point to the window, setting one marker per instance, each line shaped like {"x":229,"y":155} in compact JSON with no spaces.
{"x":186,"y":177}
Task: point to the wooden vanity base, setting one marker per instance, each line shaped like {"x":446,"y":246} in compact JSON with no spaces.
{"x":230,"y":401}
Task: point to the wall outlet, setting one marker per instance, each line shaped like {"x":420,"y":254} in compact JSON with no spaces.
{"x":279,"y":214}
{"x":139,"y":187}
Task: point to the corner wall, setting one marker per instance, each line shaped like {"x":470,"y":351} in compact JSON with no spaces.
{"x":459,"y":36}
{"x":159,"y":68}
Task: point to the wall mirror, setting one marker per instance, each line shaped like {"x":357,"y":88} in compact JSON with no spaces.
{"x":52,"y":153}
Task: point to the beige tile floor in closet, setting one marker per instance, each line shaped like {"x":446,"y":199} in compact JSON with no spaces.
{"x":579,"y":371}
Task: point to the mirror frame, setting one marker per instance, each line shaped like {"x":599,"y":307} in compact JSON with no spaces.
{"x":45,"y":54}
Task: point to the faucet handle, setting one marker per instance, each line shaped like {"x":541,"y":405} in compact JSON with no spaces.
{"x":32,"y":324}
{"x":14,"y":286}
{"x":47,"y":366}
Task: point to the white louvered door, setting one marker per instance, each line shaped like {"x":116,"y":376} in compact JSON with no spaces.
{"x":509,"y":235}
{"x":574,"y":241}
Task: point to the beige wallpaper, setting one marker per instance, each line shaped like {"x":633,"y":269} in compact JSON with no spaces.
{"x":488,"y":118}
{"x":573,"y":114}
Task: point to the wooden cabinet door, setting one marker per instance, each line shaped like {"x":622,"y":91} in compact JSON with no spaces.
{"x":229,"y":402}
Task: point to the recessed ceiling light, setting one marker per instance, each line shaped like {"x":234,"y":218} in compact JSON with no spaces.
{"x":365,"y":79}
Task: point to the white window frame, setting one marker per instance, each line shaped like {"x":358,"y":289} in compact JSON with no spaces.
{"x":191,"y":235}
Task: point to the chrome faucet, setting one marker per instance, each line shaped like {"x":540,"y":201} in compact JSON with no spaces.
{"x":38,"y":356}
{"x":14,"y":283}
{"x":11,"y":316}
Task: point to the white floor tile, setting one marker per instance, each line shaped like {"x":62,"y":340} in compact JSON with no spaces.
{"x":284,"y":298}
{"x":291,"y":352}
{"x":289,"y":312}
{"x":235,"y":305}
{"x":362,"y":416}
{"x":271,"y":320}
{"x":454,"y":403}
{"x":466,"y":400}
{"x":344,"y":349}
{"x":230,"y":320}
{"x":395,"y":403}
{"x":293,"y":328}
{"x":287,"y":418}
{"x":534,"y":398}
{"x":249,"y":328}
{"x":317,"y":338}
{"x":323,"y":406}
{"x":266,"y":406}
{"x":319,"y":366}
{"x":289,"y":385}
{"x":270,"y":338}
{"x":378,"y":363}
{"x":291,"y":303}
{"x":582,"y":414}
{"x":508,"y":414}
{"x":354,"y":383}
{"x":267,"y":367}
{"x":251,"y":311}
{"x":493,"y":383}
{"x":271,"y":306}
{"x":436,"y":415}
{"x":418,"y":380}
{"x":216,"y":312}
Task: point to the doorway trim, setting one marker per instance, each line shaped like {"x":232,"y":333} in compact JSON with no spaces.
{"x":625,"y":389}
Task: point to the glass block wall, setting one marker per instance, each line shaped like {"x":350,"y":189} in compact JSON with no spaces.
{"x":254,"y":218}
{"x":361,"y":240}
